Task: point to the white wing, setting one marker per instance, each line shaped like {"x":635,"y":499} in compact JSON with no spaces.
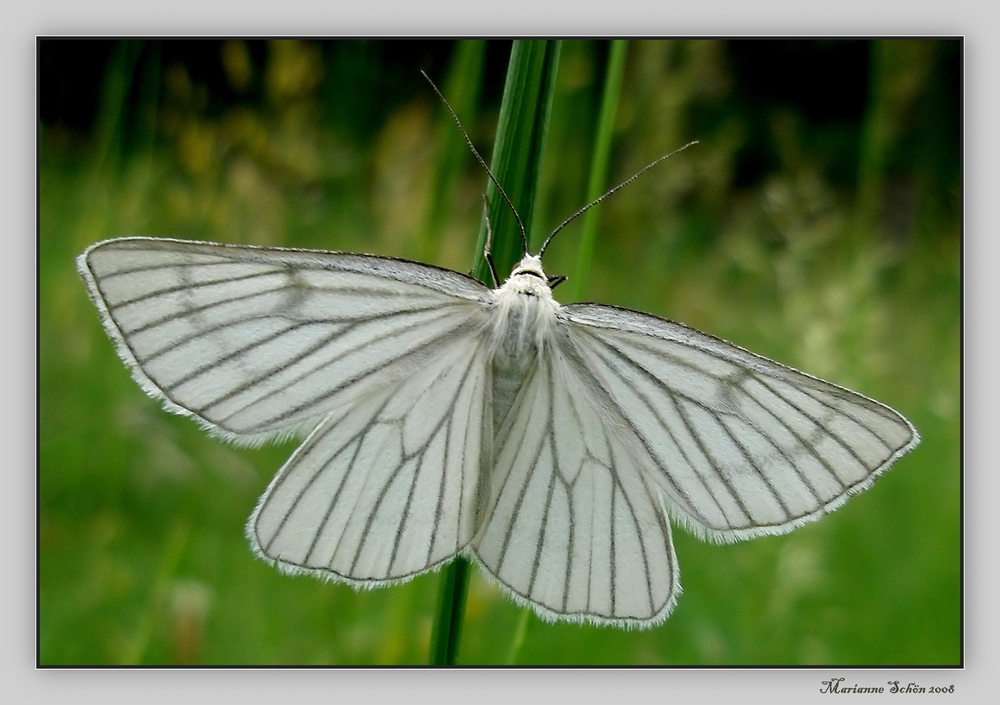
{"x":739,"y":445}
{"x":624,"y":419}
{"x":572,"y":526}
{"x":387,"y":488}
{"x":388,"y":354}
{"x":262,"y":342}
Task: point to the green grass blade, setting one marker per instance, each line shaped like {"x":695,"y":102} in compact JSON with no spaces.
{"x":517,"y":151}
{"x":451,"y":610}
{"x":517,"y":155}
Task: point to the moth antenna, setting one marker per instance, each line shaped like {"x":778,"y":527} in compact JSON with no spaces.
{"x":487,"y":250}
{"x":524,"y":234}
{"x":622,"y":185}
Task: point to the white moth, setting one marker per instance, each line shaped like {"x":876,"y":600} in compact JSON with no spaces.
{"x":551,"y":444}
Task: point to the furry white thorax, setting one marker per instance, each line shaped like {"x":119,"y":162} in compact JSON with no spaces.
{"x":525,"y":311}
{"x":524,"y":318}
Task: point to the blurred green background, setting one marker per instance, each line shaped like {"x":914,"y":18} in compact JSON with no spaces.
{"x":818,"y":222}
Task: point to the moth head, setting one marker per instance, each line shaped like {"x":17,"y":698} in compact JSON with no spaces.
{"x":530,"y":265}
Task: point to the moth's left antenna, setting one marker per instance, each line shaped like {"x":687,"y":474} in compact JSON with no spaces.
{"x":524,"y":234}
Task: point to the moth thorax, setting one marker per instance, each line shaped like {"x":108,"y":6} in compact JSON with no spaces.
{"x":515,"y":348}
{"x":525,"y":313}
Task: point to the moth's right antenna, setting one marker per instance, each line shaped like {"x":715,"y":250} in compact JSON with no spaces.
{"x":623,"y":184}
{"x":524,"y":234}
